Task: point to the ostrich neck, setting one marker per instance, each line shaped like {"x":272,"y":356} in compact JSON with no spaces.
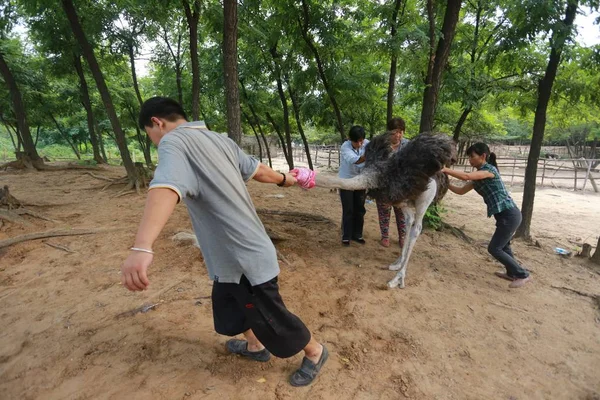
{"x":366,"y":180}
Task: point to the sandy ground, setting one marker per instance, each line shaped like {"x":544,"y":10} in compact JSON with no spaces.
{"x":454,"y":332}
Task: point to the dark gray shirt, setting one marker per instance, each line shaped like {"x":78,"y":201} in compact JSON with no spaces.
{"x":209,"y":172}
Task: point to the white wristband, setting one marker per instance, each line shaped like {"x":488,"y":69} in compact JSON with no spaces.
{"x":141,"y":250}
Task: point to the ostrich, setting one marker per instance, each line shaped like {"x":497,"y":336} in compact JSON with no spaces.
{"x":410,"y":178}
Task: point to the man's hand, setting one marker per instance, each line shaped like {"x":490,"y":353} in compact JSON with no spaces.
{"x":133,"y":271}
{"x":290,"y":180}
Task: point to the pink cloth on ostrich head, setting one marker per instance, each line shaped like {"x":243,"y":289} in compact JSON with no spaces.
{"x":305,"y":177}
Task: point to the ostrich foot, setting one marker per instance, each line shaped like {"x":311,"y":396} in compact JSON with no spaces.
{"x":395,"y":283}
{"x":395,"y":267}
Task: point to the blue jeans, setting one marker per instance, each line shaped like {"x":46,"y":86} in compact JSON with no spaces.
{"x":507,"y":223}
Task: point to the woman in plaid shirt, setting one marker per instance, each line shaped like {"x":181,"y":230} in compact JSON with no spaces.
{"x":488,"y":184}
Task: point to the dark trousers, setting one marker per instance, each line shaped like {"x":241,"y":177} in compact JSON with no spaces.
{"x":353,"y":213}
{"x":507,"y":223}
{"x":239,"y":307}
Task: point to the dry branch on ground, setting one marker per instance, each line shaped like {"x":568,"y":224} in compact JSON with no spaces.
{"x":47,"y":234}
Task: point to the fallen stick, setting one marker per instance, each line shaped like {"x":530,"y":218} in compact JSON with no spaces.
{"x":283,"y":258}
{"x":149,"y":304}
{"x":457,"y":232}
{"x":589,"y":295}
{"x":12,"y":217}
{"x":306,"y":216}
{"x":25,"y":211}
{"x":509,"y":307}
{"x":141,"y":309}
{"x":57,"y":246}
{"x":98,"y":176}
{"x":42,"y":235}
{"x":124,"y":194}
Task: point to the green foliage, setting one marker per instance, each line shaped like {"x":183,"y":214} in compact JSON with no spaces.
{"x":498,"y":56}
{"x":433,"y":216}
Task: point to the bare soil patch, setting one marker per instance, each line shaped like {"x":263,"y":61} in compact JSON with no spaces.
{"x":70,"y":331}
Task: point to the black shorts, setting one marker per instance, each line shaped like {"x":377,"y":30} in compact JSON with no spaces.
{"x":239,"y":307}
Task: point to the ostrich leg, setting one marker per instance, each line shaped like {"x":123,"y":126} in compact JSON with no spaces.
{"x":409,"y":212}
{"x":414,"y":226}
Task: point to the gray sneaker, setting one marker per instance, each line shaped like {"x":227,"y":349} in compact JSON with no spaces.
{"x":240,"y":347}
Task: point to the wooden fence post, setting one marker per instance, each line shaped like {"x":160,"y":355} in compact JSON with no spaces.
{"x":543,"y":172}
{"x":575,"y":187}
{"x":329,"y":160}
{"x":512,"y":177}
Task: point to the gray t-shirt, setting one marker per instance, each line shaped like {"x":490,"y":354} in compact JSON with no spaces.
{"x":209,"y":172}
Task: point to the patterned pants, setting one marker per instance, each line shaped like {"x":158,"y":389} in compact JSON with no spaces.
{"x":384,"y":211}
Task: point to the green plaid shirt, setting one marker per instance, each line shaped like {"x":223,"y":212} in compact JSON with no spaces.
{"x":493,"y":191}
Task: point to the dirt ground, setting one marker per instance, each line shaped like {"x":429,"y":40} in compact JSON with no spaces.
{"x":454,"y":332}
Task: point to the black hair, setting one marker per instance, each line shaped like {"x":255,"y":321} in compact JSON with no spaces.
{"x":160,"y":107}
{"x":481,"y":149}
{"x":356,"y":133}
{"x":395,"y":124}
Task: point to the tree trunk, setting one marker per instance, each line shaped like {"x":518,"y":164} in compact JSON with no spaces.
{"x":257,"y":121}
{"x":305,"y":34}
{"x":557,"y":42}
{"x":434,"y":73}
{"x":100,"y":140}
{"x":596,"y":256}
{"x":143,"y":141}
{"x":192,"y":20}
{"x":142,"y":138}
{"x":65,"y":136}
{"x":7,"y":126}
{"x":394,"y":61}
{"x":133,"y":73}
{"x":232,"y":96}
{"x":19,"y":110}
{"x":176,"y":62}
{"x":88,"y":52}
{"x":87,"y":104}
{"x":460,"y":123}
{"x":296,"y":109}
{"x":255,"y":134}
{"x":283,"y":99}
{"x":281,"y":140}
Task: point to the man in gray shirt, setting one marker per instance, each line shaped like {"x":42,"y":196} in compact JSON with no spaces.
{"x":209,"y":172}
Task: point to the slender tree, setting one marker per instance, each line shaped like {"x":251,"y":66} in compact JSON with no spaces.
{"x":437,"y":62}
{"x":88,"y":52}
{"x":192,"y":15}
{"x":394,"y":57}
{"x":304,"y":22}
{"x":30,"y":152}
{"x":232,"y":96}
{"x":560,"y":35}
{"x":87,"y":105}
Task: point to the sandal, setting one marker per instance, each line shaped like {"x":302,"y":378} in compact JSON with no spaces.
{"x":385,"y":242}
{"x":308,"y":370}
{"x":240,"y":347}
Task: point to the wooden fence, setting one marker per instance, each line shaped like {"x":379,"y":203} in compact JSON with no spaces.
{"x":559,"y":173}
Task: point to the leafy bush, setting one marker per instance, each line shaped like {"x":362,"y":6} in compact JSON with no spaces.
{"x":433,"y":216}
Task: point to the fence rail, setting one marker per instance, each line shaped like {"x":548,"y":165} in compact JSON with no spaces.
{"x":559,"y":173}
{"x":577,"y":170}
